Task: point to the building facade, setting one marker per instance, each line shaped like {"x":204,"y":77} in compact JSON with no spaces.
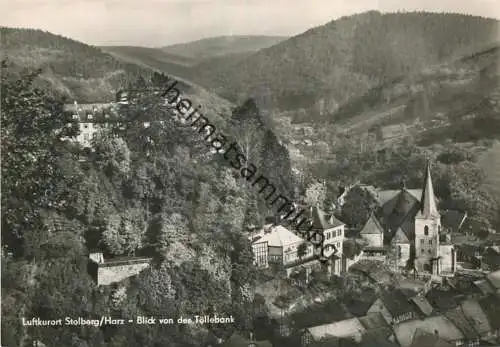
{"x":409,"y":223}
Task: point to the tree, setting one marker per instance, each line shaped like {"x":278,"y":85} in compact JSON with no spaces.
{"x":33,"y":126}
{"x":172,"y":228}
{"x":315,"y":194}
{"x":112,"y":155}
{"x":302,"y":250}
{"x":358,"y":206}
{"x":120,"y":236}
{"x":248,"y":129}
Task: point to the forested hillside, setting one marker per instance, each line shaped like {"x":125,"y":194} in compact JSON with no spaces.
{"x":81,"y":72}
{"x":213,"y":47}
{"x":157,"y":192}
{"x":324,"y":66}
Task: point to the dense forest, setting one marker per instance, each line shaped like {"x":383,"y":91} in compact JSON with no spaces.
{"x":69,"y":68}
{"x":348,"y":56}
{"x":158,"y":192}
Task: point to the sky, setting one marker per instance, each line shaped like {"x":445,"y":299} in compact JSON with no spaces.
{"x":156,"y":23}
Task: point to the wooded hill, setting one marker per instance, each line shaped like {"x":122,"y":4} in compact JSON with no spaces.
{"x":348,"y":57}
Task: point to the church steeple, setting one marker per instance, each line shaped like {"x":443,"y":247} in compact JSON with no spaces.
{"x":428,"y":205}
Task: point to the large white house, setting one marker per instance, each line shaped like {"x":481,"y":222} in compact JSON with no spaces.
{"x":278,"y":244}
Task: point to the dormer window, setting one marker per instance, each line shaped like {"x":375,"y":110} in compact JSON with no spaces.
{"x":75,"y":116}
{"x":89,"y":116}
{"x":426,"y":230}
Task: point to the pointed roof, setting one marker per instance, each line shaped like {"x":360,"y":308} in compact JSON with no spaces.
{"x":400,"y":237}
{"x":428,"y":205}
{"x":321,"y":221}
{"x":372,"y":226}
{"x":402,"y":207}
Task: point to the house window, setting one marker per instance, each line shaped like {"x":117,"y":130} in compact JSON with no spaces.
{"x":86,"y":126}
{"x":426,"y":230}
{"x":422,"y":241}
{"x":429,"y":251}
{"x":430,"y":242}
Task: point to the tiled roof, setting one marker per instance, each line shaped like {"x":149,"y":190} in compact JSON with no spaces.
{"x":400,"y":237}
{"x":346,"y":328}
{"x":494,"y":279}
{"x":279,"y":237}
{"x":485,"y":286}
{"x":372,"y":226}
{"x":329,"y":312}
{"x":385,"y":195}
{"x":239,"y":341}
{"x":422,"y":338}
{"x":321,"y":221}
{"x":423,"y":305}
{"x":374,"y":339}
{"x":441,"y":300}
{"x":457,"y":316}
{"x":476,"y":315}
{"x":490,"y":305}
{"x":453,"y":220}
{"x":397,"y":303}
{"x":438,"y":325}
{"x":376,"y":270}
{"x":376,"y":325}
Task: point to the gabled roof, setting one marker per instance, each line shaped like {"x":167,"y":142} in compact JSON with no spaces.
{"x":485,"y":286}
{"x":422,"y":305}
{"x":385,"y":195}
{"x":237,"y":340}
{"x":494,"y":279}
{"x":400,"y":237}
{"x":457,"y":316}
{"x":442,"y":300}
{"x":374,"y":339}
{"x":326,"y":313}
{"x":490,"y":305}
{"x":372,"y":227}
{"x":438,"y":325}
{"x":400,"y":204}
{"x":422,"y":338}
{"x":476,"y":315}
{"x":428,"y":205}
{"x":453,"y":220}
{"x":279,"y":236}
{"x":401,"y":209}
{"x":346,"y":328}
{"x":373,"y":321}
{"x":321,"y":221}
{"x":397,"y":303}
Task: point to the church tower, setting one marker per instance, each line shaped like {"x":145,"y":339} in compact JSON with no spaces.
{"x":427,"y":229}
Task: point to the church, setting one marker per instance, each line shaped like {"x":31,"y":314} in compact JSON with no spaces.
{"x":406,"y":230}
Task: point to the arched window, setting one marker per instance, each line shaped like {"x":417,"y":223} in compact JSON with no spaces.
{"x":426,"y":230}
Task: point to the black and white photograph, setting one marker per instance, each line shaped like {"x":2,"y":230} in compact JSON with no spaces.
{"x":250,"y":173}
